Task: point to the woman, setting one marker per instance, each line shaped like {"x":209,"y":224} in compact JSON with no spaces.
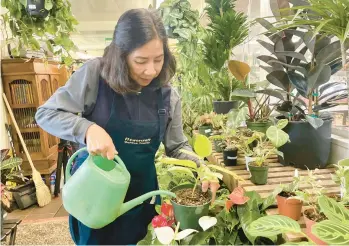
{"x":126,"y":107}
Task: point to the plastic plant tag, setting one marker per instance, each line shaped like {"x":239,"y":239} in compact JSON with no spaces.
{"x":296,"y":173}
{"x":248,"y":160}
{"x":207,"y":130}
{"x":231,"y":157}
{"x":31,"y":6}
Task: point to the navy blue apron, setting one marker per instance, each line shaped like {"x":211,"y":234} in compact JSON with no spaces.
{"x":137,"y":143}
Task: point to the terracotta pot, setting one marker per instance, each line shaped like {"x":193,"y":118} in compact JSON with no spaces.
{"x":309,"y":223}
{"x":291,"y":208}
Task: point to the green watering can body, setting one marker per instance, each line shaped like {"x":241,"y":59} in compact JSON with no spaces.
{"x":95,"y":193}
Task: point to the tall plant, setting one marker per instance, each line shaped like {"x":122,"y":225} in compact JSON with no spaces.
{"x":226,"y":30}
{"x":325,"y":19}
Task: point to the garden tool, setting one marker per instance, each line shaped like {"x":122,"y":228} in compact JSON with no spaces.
{"x":95,"y":193}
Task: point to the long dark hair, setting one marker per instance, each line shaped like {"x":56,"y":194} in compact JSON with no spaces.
{"x":135,"y":28}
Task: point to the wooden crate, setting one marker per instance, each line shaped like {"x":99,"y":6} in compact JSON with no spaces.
{"x":27,"y":85}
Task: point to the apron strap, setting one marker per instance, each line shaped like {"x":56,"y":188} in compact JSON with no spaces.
{"x":162,"y":115}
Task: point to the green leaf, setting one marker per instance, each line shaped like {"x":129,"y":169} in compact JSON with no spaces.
{"x":184,"y":163}
{"x":201,"y":238}
{"x":332,"y":232}
{"x":181,"y":170}
{"x":11,"y":163}
{"x":292,"y":54}
{"x":333,"y":210}
{"x":276,"y":136}
{"x":279,"y":78}
{"x":282,"y":123}
{"x":23,"y":2}
{"x":270,"y":200}
{"x":247,"y":215}
{"x":273,"y":225}
{"x":272,"y":93}
{"x":319,"y":75}
{"x":299,"y":82}
{"x":48,"y":4}
{"x":202,"y":146}
{"x":314,"y":122}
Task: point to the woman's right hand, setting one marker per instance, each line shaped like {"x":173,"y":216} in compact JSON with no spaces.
{"x":99,"y":142}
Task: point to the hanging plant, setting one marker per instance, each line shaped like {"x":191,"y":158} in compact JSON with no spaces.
{"x":40,"y":21}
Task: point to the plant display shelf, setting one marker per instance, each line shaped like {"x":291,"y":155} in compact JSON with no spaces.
{"x":278,"y":174}
{"x":291,"y":237}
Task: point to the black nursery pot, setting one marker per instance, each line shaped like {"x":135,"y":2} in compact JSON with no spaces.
{"x":223,"y":107}
{"x":36,"y":8}
{"x":309,"y":147}
{"x":230,"y":157}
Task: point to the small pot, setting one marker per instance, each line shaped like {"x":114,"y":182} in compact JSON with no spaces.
{"x":217,"y":146}
{"x":189,"y":216}
{"x":289,"y":207}
{"x":230,"y":157}
{"x":309,"y":223}
{"x":259,"y":175}
{"x":205,"y":130}
{"x":258,"y":126}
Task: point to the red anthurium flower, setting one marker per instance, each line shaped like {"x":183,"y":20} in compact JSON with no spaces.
{"x":236,"y":197}
{"x":167,"y":210}
{"x":159,"y":221}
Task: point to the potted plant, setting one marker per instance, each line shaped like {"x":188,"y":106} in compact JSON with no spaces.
{"x":302,"y":81}
{"x":191,"y":203}
{"x":287,"y":200}
{"x":204,"y":124}
{"x":341,"y":177}
{"x":230,"y":151}
{"x":259,"y":168}
{"x":226,"y":30}
{"x":331,"y":231}
{"x":39,"y":25}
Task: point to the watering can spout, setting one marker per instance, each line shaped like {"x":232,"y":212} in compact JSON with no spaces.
{"x":139,"y":200}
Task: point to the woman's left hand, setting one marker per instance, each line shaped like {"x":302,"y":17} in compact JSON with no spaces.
{"x":213,"y":187}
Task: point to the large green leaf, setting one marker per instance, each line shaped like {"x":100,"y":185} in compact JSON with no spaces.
{"x":332,"y":232}
{"x":298,"y":68}
{"x":299,"y":82}
{"x":201,"y":238}
{"x":181,"y":170}
{"x":202,"y":146}
{"x":277,"y":7}
{"x":330,"y":52}
{"x":236,"y":117}
{"x":321,"y":74}
{"x":309,"y":41}
{"x":273,"y":225}
{"x":11,"y":163}
{"x":292,"y":54}
{"x":268,"y":46}
{"x":277,"y":136}
{"x":333,"y":210}
{"x":272,"y":93}
{"x":279,"y":78}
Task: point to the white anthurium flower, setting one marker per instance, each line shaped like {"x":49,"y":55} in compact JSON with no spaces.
{"x":207,"y":222}
{"x":165,"y":234}
{"x":183,"y":234}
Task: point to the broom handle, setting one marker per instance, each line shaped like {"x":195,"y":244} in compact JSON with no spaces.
{"x":18,"y":131}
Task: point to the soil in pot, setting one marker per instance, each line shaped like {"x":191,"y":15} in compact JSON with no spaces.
{"x":291,"y":208}
{"x":259,"y":174}
{"x":230,"y":157}
{"x":188,"y":208}
{"x":187,"y":198}
{"x":311,"y":217}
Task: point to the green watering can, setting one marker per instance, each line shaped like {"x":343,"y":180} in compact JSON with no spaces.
{"x":95,"y":193}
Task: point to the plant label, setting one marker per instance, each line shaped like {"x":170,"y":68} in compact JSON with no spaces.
{"x":207,"y":130}
{"x":232,"y":157}
{"x":31,"y":6}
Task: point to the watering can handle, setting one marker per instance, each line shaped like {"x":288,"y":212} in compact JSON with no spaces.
{"x":71,"y":159}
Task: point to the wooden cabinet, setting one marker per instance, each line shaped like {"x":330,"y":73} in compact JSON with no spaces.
{"x":27,"y":85}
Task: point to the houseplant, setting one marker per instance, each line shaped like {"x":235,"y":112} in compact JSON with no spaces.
{"x":204,"y":123}
{"x":341,"y":177}
{"x":191,"y":203}
{"x":226,"y":30}
{"x":258,"y":167}
{"x":230,"y":151}
{"x":50,"y":26}
{"x":290,"y":69}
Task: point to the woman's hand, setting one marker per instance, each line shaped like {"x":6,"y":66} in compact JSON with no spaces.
{"x":99,"y":142}
{"x":213,"y":187}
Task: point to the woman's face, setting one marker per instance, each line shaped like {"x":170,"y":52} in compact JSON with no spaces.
{"x":145,"y":63}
